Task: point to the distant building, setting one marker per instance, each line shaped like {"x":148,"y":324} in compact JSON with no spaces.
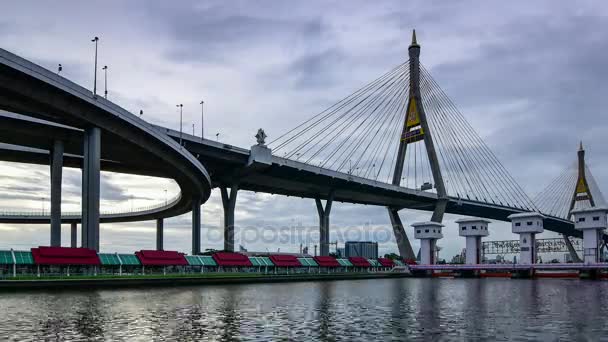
{"x":341,"y":252}
{"x":366,"y":249}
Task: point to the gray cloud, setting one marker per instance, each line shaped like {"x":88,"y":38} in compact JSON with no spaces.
{"x":529,"y":77}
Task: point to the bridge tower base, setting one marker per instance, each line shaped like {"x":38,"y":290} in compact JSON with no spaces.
{"x":403,"y":243}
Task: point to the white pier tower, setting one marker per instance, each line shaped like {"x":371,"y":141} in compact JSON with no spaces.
{"x":428,"y":233}
{"x":473,"y":229}
{"x":527,"y":225}
{"x":592,"y":221}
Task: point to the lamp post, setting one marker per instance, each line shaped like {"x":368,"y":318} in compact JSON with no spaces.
{"x":217,"y":137}
{"x":202,"y":120}
{"x":59,"y":68}
{"x":105,"y":81}
{"x":181,"y":106}
{"x":193,"y":129}
{"x":95,"y":40}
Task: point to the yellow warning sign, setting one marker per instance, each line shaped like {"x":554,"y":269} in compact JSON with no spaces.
{"x":581,"y":187}
{"x":413,"y":119}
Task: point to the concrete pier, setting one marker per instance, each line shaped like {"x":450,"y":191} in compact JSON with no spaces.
{"x":229,"y":204}
{"x":324,"y":223}
{"x":159,"y":233}
{"x":196,"y":226}
{"x":56,"y":163}
{"x":90,"y":188}
{"x":74,"y":235}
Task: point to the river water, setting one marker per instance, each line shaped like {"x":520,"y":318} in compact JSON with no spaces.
{"x":360,"y":310}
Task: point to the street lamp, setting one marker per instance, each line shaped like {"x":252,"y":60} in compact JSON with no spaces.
{"x":202,"y":120}
{"x":105,"y":76}
{"x":141,"y":113}
{"x":193,"y":129}
{"x":59,"y":68}
{"x":217,"y":136}
{"x":181,"y":107}
{"x":95,"y":40}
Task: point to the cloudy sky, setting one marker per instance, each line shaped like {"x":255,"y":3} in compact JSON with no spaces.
{"x":529,"y":77}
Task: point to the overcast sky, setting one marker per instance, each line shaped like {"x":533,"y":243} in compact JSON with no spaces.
{"x":529,"y":77}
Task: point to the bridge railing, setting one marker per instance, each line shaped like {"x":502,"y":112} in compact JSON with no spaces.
{"x":113,"y":212}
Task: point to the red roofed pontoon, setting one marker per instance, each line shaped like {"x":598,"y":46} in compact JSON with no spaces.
{"x":285,"y":261}
{"x":161,"y":258}
{"x":359,"y":262}
{"x":386,"y":262}
{"x":231,"y":259}
{"x":327,"y":261}
{"x":64,"y":256}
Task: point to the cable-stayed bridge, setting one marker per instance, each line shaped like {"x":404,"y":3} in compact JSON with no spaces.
{"x":397,"y":142}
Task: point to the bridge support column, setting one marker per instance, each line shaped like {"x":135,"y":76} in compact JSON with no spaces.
{"x":74,"y":235}
{"x":229,"y":203}
{"x":196,"y":226}
{"x":90,"y":188}
{"x":159,"y":234}
{"x":56,"y":163}
{"x":405,"y":247}
{"x":324,"y":223}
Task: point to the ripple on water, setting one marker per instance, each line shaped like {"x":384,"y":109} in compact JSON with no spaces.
{"x":360,"y":310}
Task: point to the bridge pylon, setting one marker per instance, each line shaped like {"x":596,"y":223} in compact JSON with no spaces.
{"x":416,"y":128}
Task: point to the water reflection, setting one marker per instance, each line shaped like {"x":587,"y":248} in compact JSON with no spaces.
{"x":363,"y":310}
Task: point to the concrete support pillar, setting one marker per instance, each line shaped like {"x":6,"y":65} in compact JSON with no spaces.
{"x":229,"y":203}
{"x":527,"y":248}
{"x":56,"y":163}
{"x":196,"y":226}
{"x":74,"y":235}
{"x":90,"y":188}
{"x":473,"y":250}
{"x":159,"y":234}
{"x":427,"y":251}
{"x":324,"y":223}
{"x":405,"y":247}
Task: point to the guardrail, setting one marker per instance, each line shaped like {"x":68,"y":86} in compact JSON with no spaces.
{"x":115,"y":212}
